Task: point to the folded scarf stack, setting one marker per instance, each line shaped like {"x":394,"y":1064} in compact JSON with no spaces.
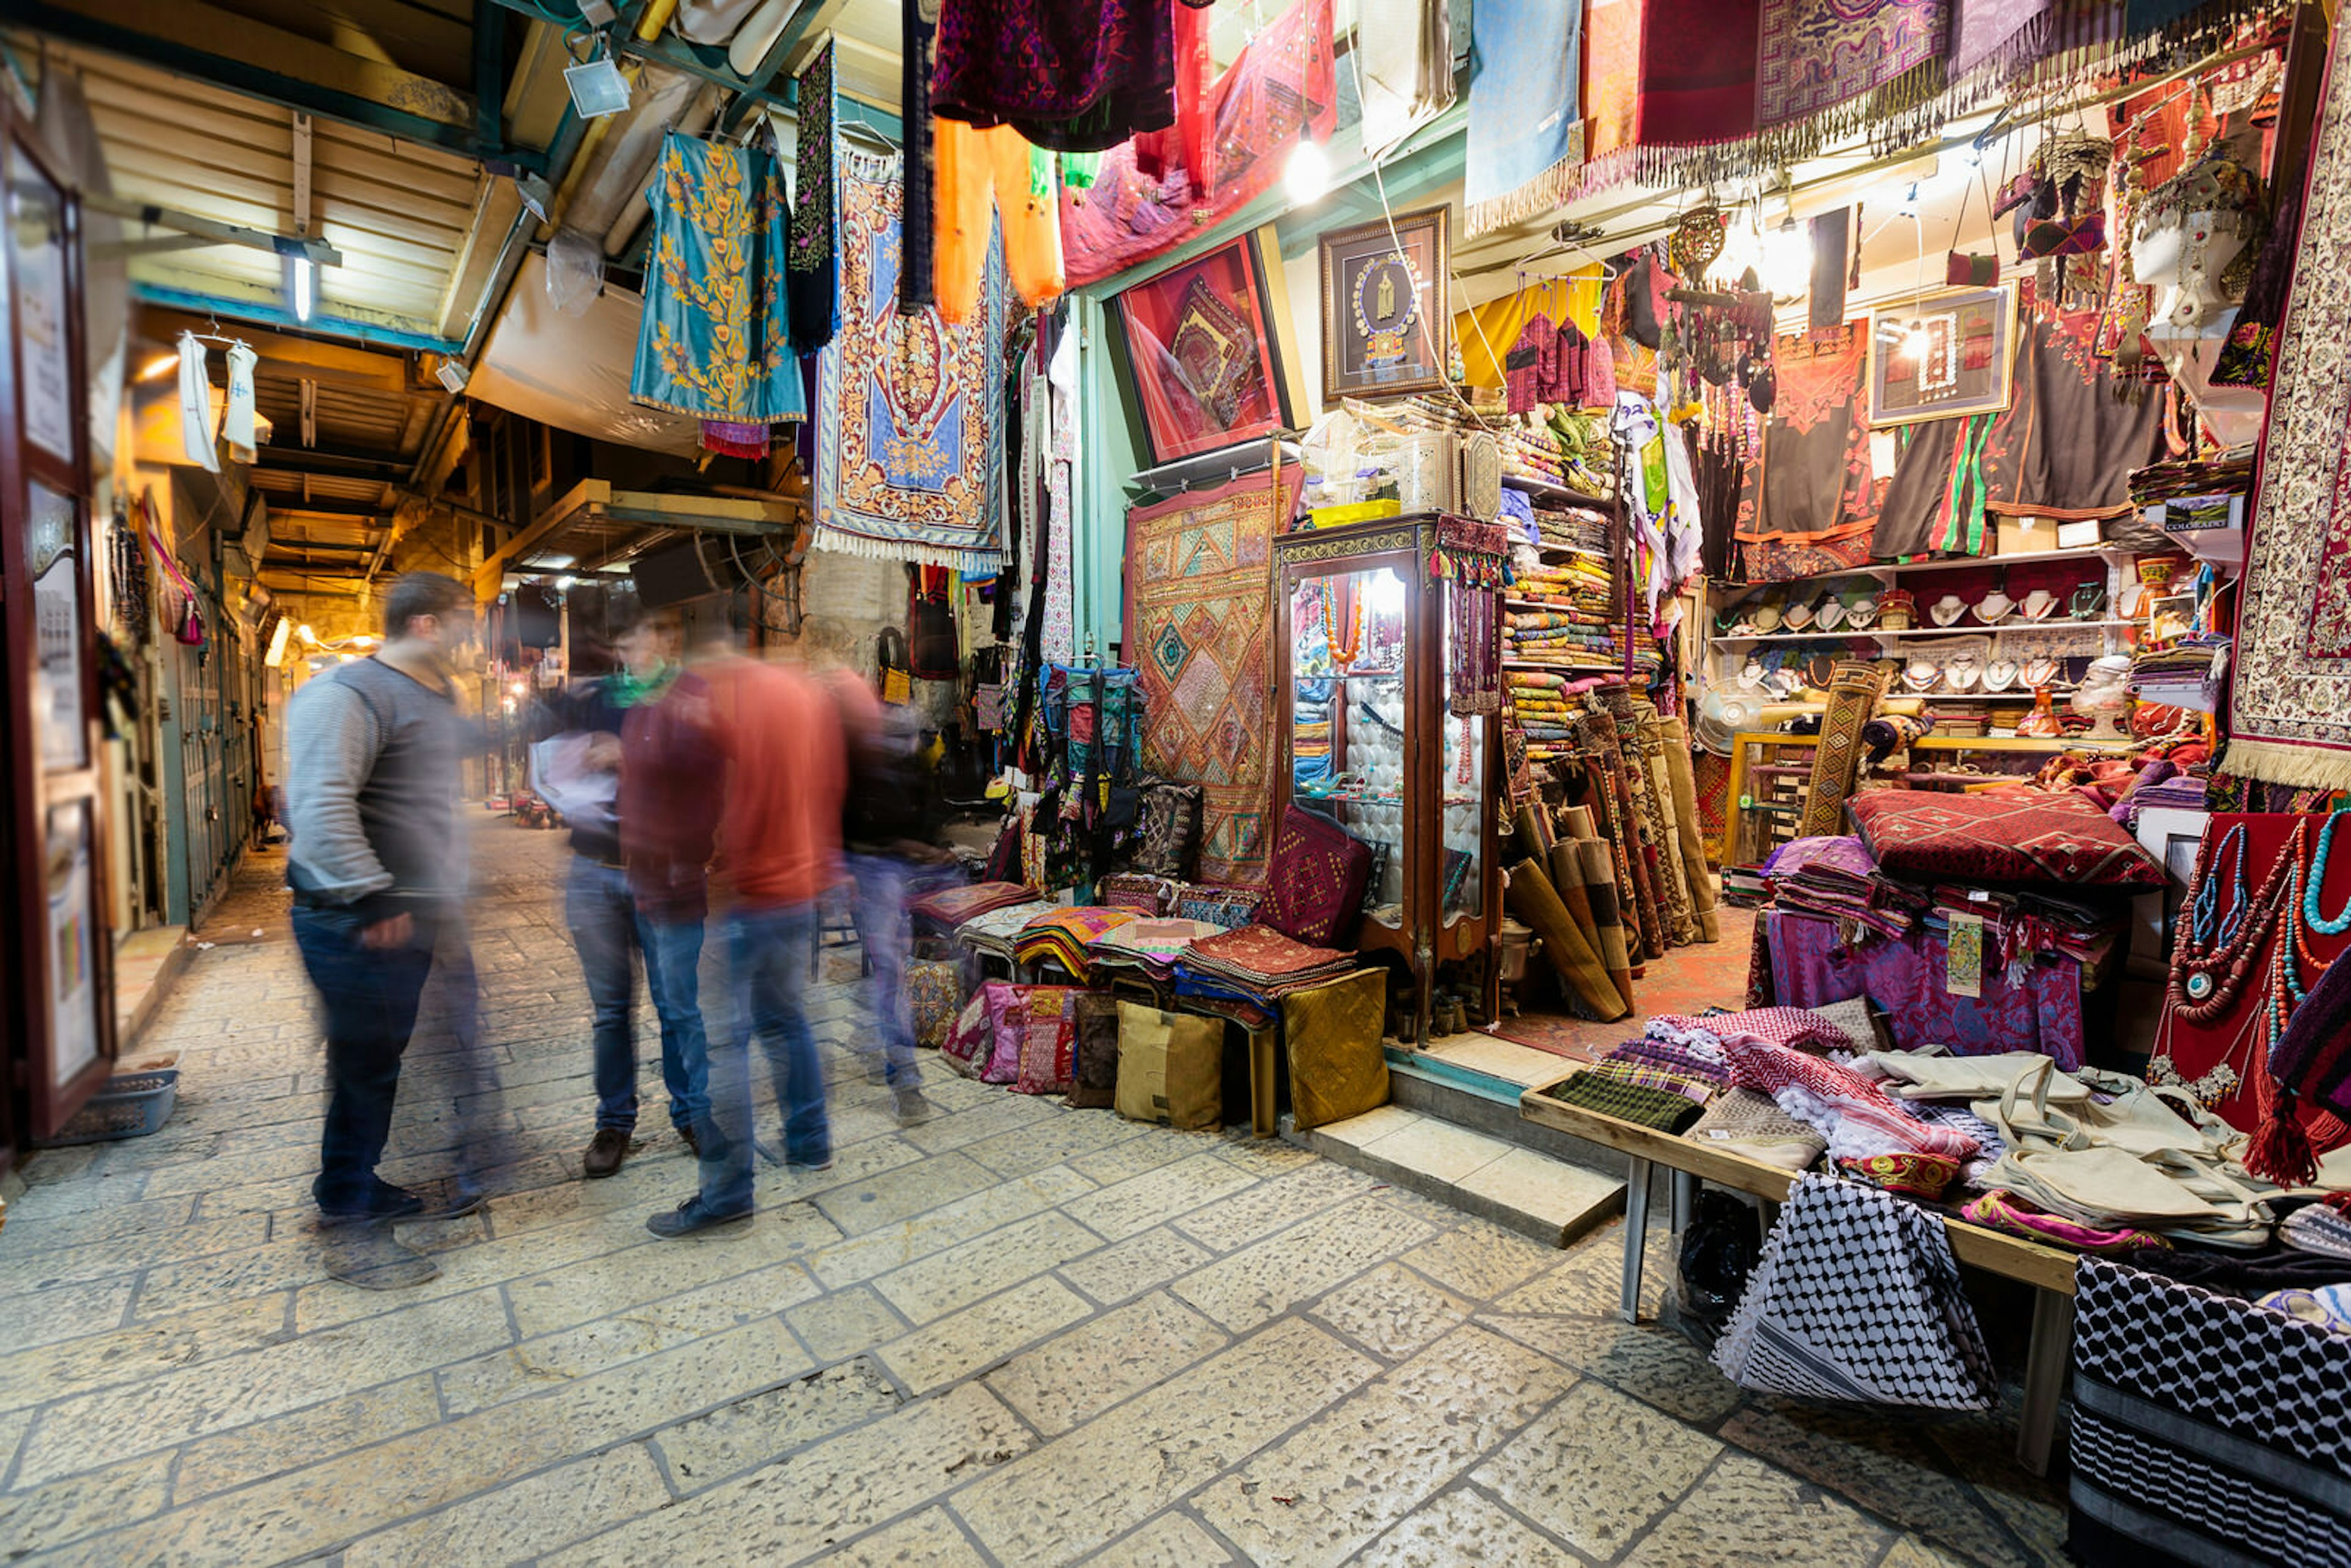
{"x":1063,"y":936}
{"x":1148,"y":948}
{"x":1253,"y":968}
{"x":1659,"y":1108}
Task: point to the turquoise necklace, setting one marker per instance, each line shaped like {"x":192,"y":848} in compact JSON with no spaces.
{"x":2342,"y":921}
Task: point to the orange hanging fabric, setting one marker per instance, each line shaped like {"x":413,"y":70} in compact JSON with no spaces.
{"x":980,"y":172}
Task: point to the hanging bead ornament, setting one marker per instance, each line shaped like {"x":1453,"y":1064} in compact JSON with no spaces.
{"x":1342,"y":655}
{"x":2199,"y":989}
{"x":2341,"y":922}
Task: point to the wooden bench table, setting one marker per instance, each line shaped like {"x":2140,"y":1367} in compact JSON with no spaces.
{"x":2048,"y":1270}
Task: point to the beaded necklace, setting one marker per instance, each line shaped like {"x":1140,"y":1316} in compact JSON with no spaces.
{"x":1341,"y":655}
{"x":2342,"y":921}
{"x":2199,"y":989}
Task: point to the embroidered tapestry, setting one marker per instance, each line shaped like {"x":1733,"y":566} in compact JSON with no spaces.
{"x":2290,"y":708}
{"x":1665,"y":81}
{"x":1526,"y":128}
{"x":1821,"y":54}
{"x":2005,"y":35}
{"x":811,"y":276}
{"x":714,"y":340}
{"x":1811,"y":480}
{"x":1199,"y":589}
{"x":910,"y":428}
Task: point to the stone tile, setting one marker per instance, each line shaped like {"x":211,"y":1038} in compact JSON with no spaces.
{"x":1065,"y":1501}
{"x":962,"y":1342}
{"x":593,"y":1286}
{"x":1171,"y":1540}
{"x":201,"y":1239}
{"x":1269,"y":1206}
{"x":1910,"y":1551}
{"x":929,"y":1538}
{"x":1982,"y":1450}
{"x":845,"y":1323}
{"x":899,"y":1195}
{"x":823,"y":1495}
{"x":940,"y":1283}
{"x":1165,"y":1147}
{"x":1436,"y":1149}
{"x":646,"y":1330}
{"x":1465,"y":1526}
{"x":529,"y":1517}
{"x":1377,"y":1123}
{"x":79,"y":1433}
{"x":1596,"y":1468}
{"x":764,"y":1427}
{"x":33,"y":1231}
{"x":1004,"y":1114}
{"x":1773,"y":1518}
{"x":122,"y":1355}
{"x":1264,"y":1156}
{"x":1298,"y":1264}
{"x":65,"y":1312}
{"x":1325,"y":1491}
{"x":1650,"y":1361}
{"x":1054,"y":1143}
{"x":63,"y":1511}
{"x":306,"y":1437}
{"x":1885,"y":1465}
{"x":1392,"y":1312}
{"x":1076,"y":1375}
{"x":14,"y":1424}
{"x":1155,"y":1197}
{"x":1137,"y":1264}
{"x":1003,"y":1203}
{"x":1481,"y":1260}
{"x":1566,"y":1201}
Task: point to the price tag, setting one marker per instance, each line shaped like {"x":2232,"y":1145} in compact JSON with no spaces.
{"x":1963,"y":972}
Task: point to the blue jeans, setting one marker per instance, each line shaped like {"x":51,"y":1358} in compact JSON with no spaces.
{"x":605,"y":928}
{"x":370,"y":998}
{"x":766,"y":957}
{"x":882,"y":932}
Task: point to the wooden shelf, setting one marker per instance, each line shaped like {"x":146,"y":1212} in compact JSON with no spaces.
{"x":1889,"y":569}
{"x":1548,"y":491}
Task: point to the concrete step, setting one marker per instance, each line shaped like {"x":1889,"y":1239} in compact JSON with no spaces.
{"x":146,"y":963}
{"x":1474,"y":1081}
{"x":1550,"y":1200}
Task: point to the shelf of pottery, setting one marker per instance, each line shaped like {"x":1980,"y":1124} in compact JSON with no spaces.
{"x":1996,"y":645}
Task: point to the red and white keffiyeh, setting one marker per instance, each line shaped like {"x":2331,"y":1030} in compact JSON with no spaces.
{"x":1760,"y":1064}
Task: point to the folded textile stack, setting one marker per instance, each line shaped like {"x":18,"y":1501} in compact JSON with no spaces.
{"x":995,"y":932}
{"x":1254,"y":968}
{"x":2185,"y":674}
{"x":952,"y":906}
{"x":2180,"y":792}
{"x":1636,"y":1103}
{"x":1148,"y":948}
{"x":2167,"y":481}
{"x":1579,"y":583}
{"x":1676,"y":1067}
{"x":1838,"y":878}
{"x":1572,"y":528}
{"x":1543,"y":709}
{"x":1062,"y":936}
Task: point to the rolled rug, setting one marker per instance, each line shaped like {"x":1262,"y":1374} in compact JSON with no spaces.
{"x":1684,"y":780}
{"x":1607,"y":916}
{"x":1533,"y":900}
{"x":1566,"y":870}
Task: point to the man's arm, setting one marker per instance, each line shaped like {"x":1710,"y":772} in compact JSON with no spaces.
{"x":331,"y":745}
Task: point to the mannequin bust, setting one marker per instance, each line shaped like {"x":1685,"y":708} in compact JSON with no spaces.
{"x":2186,"y":239}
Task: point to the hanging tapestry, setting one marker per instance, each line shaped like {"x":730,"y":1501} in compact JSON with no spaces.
{"x":2064,"y":449}
{"x":1199,"y":578}
{"x":1526,"y":128}
{"x":1668,"y":90}
{"x":1857,"y":1299}
{"x":909,"y":448}
{"x":1811,"y":480}
{"x":1078,"y":76}
{"x":2290,"y":713}
{"x":2182,"y":1447}
{"x":1280,"y":85}
{"x":714,"y":340}
{"x":1829,"y":67}
{"x":2005,"y":35}
{"x":813,"y":273}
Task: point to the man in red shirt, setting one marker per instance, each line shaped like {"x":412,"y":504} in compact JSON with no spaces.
{"x":779,"y":853}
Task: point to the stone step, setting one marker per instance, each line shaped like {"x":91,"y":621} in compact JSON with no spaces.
{"x":146,"y":963}
{"x":1474,"y":1081}
{"x":1550,"y":1200}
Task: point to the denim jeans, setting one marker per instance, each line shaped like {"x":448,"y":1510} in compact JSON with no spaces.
{"x":370,"y":998}
{"x":605,"y":928}
{"x":882,"y":932}
{"x":766,"y":960}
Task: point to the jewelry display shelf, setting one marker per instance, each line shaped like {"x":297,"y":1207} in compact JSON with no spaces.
{"x":1885,"y":570}
{"x":1876,"y":633}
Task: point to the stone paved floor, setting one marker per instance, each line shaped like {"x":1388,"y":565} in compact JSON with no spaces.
{"x":1018,"y":1334}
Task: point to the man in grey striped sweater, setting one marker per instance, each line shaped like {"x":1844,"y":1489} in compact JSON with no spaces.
{"x":378,"y":867}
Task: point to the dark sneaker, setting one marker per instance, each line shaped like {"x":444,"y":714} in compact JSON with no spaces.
{"x":692,"y":1143}
{"x":877,"y":1067}
{"x":449,"y":1200}
{"x":690,"y":1216}
{"x":912,"y":1108}
{"x":605,"y":1152}
{"x":823,"y":1165}
{"x":384,"y":1202}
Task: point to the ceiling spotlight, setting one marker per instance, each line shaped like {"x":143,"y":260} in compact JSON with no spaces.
{"x":304,"y":286}
{"x":1307,"y":173}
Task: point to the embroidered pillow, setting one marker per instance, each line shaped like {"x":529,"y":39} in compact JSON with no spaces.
{"x":2037,"y":838}
{"x":934,"y":988}
{"x":1047,"y":1027}
{"x":966,"y":1044}
{"x":1314,"y":885}
{"x":1093,"y":1080}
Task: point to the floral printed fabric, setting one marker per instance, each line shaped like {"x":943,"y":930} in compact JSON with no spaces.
{"x":714,"y":340}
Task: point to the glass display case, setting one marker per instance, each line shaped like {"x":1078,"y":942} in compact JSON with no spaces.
{"x":1372,"y":739}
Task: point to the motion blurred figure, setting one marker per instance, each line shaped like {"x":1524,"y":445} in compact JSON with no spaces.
{"x":885,"y":834}
{"x":378,"y":869}
{"x":779,"y":853}
{"x":597,"y":725}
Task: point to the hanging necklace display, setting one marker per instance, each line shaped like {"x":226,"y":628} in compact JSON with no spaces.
{"x":2039,"y":605}
{"x":2213,"y":958}
{"x":2342,"y":919}
{"x":1342,"y":655}
{"x":1999,"y":674}
{"x":1468,"y":740}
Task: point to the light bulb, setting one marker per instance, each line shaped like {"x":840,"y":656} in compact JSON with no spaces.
{"x":1307,"y":173}
{"x":305,"y":288}
{"x":1788,"y":259}
{"x":304,"y":632}
{"x":1913,"y":342}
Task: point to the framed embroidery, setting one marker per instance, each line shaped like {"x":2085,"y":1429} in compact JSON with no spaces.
{"x":1209,"y":350}
{"x":1943,"y":356}
{"x":1386,"y":329}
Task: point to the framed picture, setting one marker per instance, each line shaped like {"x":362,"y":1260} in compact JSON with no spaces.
{"x":1209,"y":353}
{"x":1943,"y":356}
{"x":1386,"y":329}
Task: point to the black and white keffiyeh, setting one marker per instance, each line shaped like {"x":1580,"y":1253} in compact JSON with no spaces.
{"x":1857,"y":1299}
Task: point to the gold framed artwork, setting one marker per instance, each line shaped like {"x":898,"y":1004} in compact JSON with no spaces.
{"x":1943,"y":356}
{"x":1386,"y":331}
{"x":1209,"y":351}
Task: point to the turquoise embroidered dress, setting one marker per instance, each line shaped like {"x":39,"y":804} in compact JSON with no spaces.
{"x":716,"y":339}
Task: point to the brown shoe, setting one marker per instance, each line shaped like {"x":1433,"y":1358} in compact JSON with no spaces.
{"x":692,"y":1143}
{"x":605,"y":1152}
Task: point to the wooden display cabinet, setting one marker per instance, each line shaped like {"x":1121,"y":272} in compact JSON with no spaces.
{"x":1370,"y":740}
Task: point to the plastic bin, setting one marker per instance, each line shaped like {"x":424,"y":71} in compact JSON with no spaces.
{"x":131,"y":1105}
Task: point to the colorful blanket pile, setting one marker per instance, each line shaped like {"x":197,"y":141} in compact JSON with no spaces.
{"x":1063,"y":936}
